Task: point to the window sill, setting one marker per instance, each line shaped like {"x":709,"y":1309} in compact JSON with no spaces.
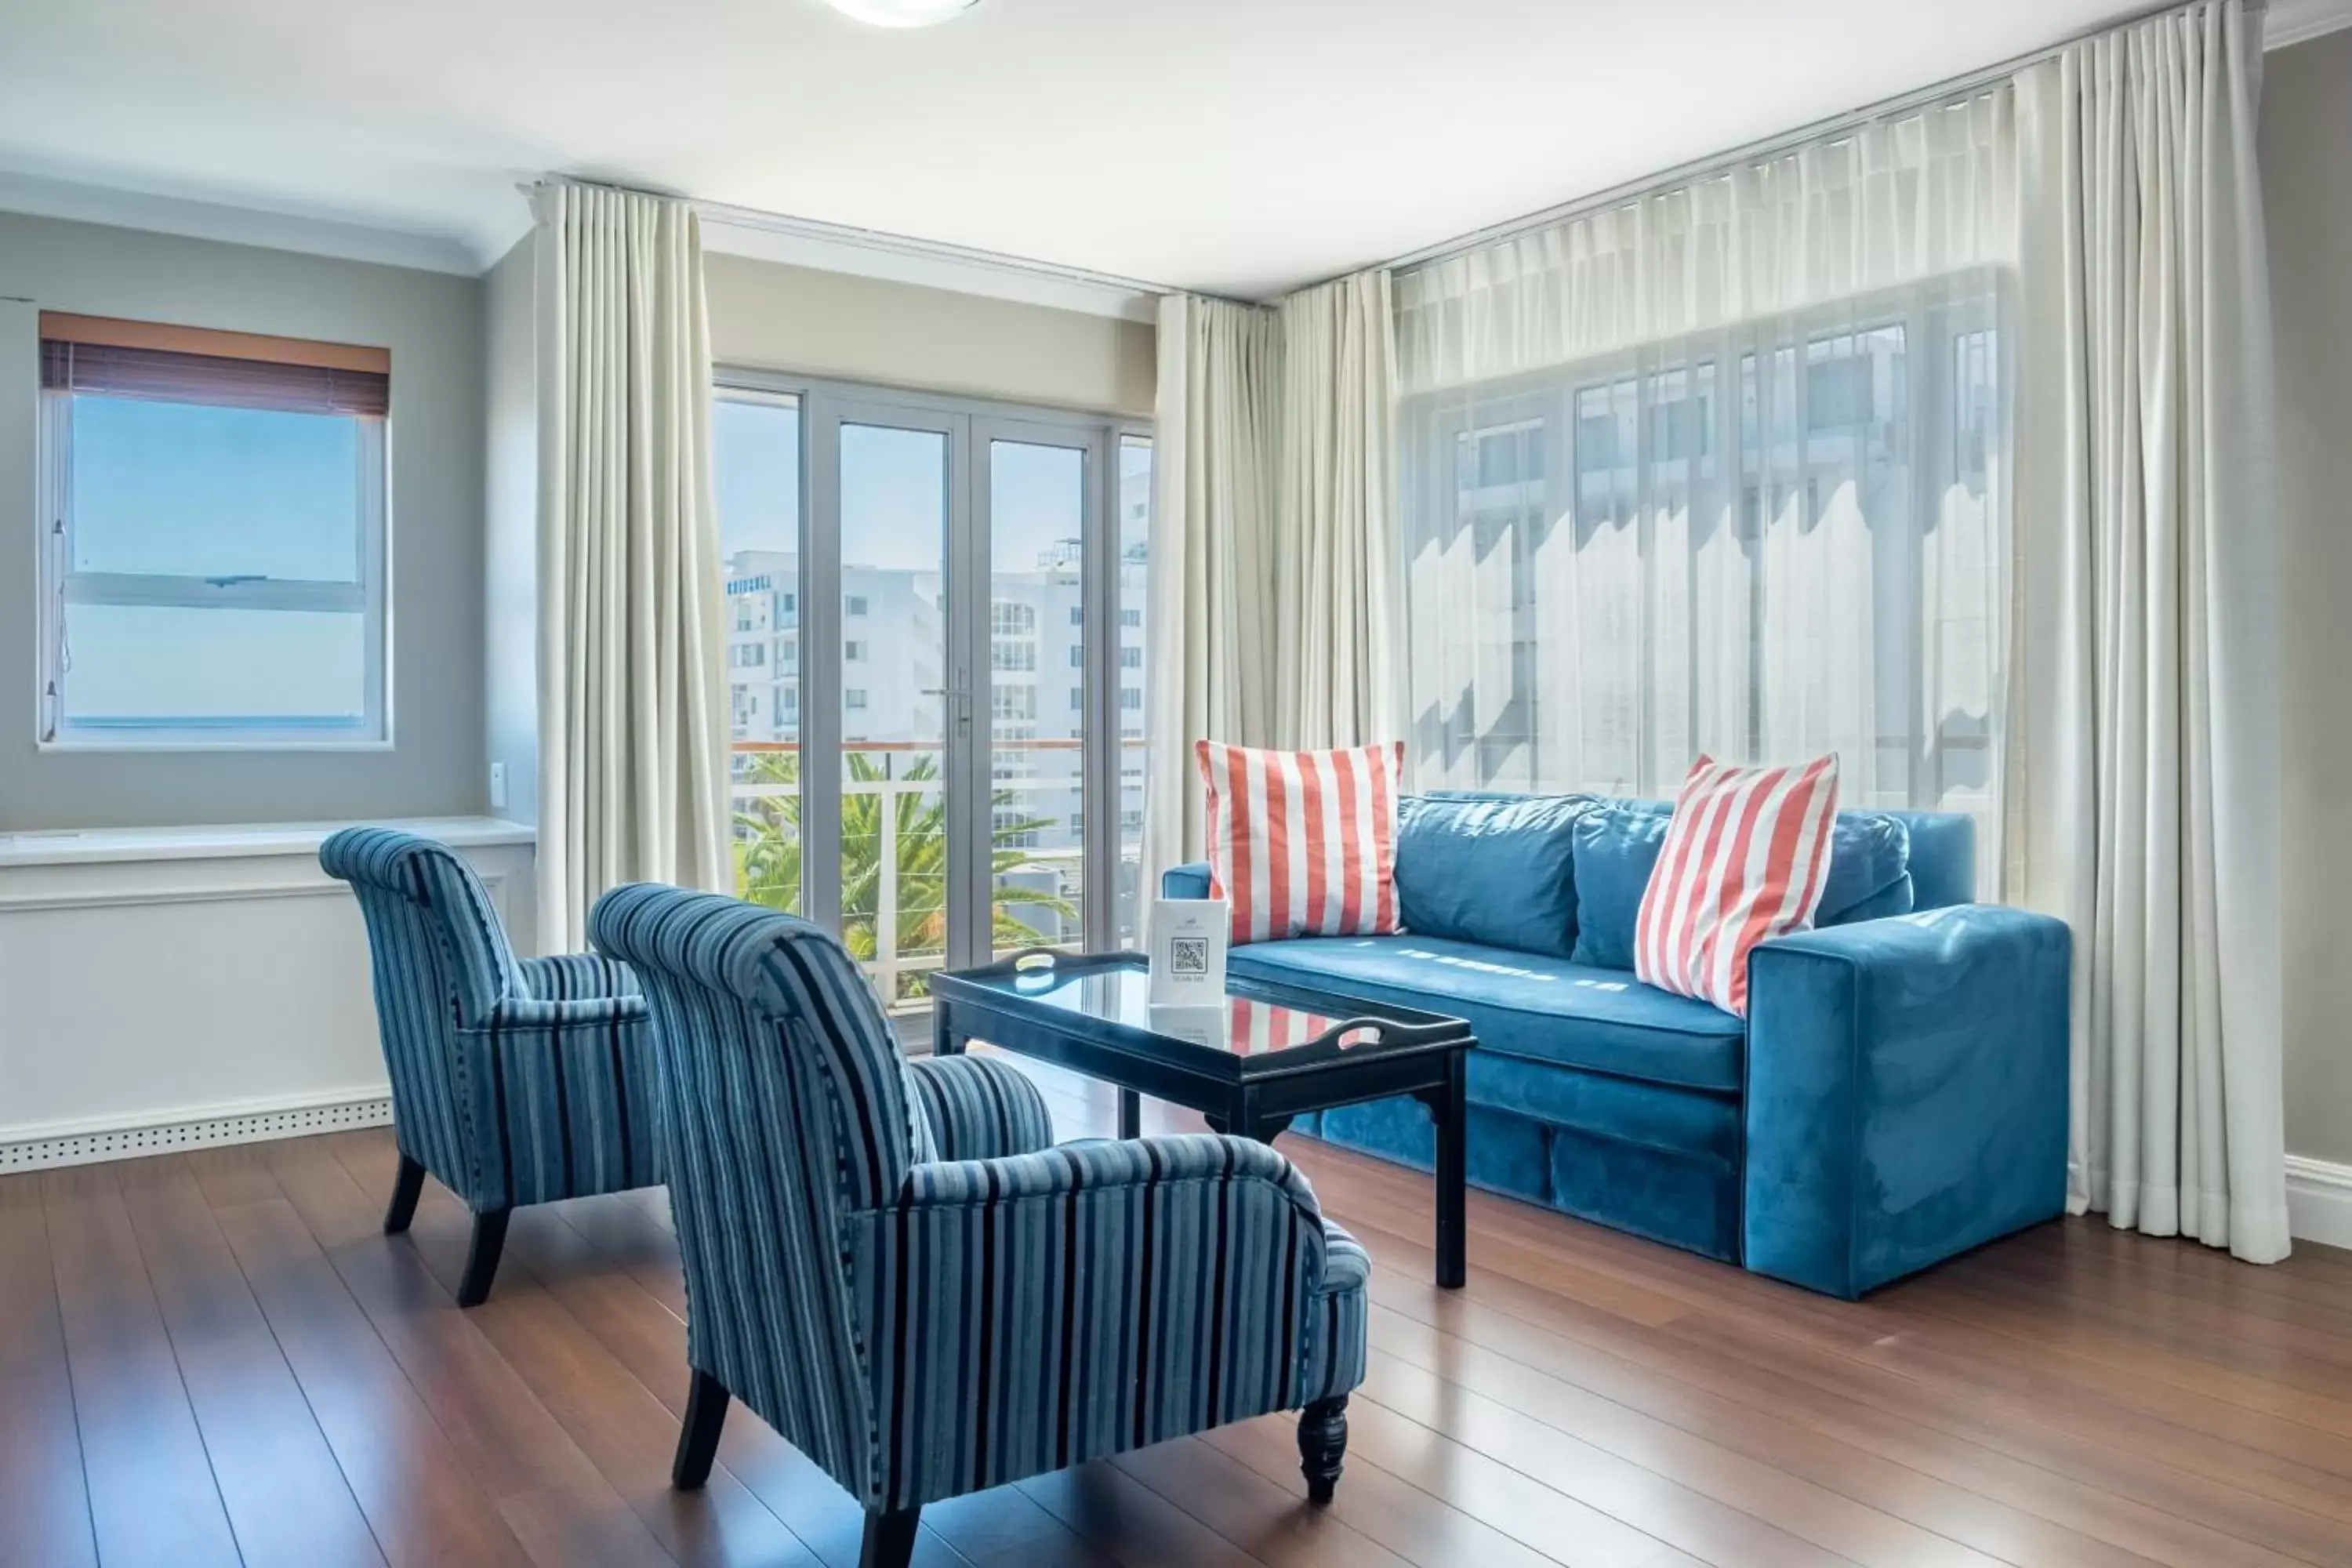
{"x":167,"y":743}
{"x":91,"y":846}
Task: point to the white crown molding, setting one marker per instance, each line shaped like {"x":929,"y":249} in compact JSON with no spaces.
{"x":900,"y":259}
{"x":40,"y":197}
{"x":2294,"y":21}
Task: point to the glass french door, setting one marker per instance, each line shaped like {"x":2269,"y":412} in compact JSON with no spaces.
{"x":929,"y":720}
{"x":1038,"y":521}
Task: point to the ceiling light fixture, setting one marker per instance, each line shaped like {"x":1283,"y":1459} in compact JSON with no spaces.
{"x":902,"y":12}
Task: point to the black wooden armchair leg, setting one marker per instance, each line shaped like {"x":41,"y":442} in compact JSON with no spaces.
{"x":1322,"y":1444}
{"x":406,"y":1188}
{"x":698,"y":1440}
{"x":890,"y":1539}
{"x":482,"y":1258}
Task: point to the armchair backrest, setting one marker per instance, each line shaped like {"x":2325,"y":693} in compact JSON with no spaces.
{"x":441,"y":960}
{"x":424,"y":906}
{"x":784,"y":1114}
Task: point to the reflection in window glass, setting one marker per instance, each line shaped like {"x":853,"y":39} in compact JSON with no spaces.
{"x":1036,"y":510}
{"x":756,"y":464}
{"x":1134,"y":570}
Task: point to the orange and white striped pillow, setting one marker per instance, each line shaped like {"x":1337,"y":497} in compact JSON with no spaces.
{"x":1743,"y":861}
{"x":1302,"y":843}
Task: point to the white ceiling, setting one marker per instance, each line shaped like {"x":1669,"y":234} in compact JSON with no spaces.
{"x":1238,"y":146}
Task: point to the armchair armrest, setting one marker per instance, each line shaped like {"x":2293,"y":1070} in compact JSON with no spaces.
{"x":1190,"y":881}
{"x":978,"y":1108}
{"x":559,"y":1083}
{"x":511,"y":1013}
{"x":1907,"y":1083}
{"x":1111,"y":1166}
{"x":1030,"y":1314}
{"x":571,"y":975}
{"x":565,"y":990}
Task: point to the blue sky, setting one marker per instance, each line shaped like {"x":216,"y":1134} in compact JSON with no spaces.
{"x":181,"y":489}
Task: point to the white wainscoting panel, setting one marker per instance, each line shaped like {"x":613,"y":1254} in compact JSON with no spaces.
{"x":167,"y":989}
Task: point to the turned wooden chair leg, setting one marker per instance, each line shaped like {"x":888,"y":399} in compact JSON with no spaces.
{"x":698,"y":1440}
{"x":482,"y":1258}
{"x":406,"y":1188}
{"x":1322,"y":1444}
{"x":889,"y":1539}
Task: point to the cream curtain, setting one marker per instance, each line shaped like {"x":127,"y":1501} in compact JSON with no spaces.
{"x":1339,"y":653}
{"x":1213,"y":643}
{"x":632,"y":738}
{"x":1276,"y":593}
{"x":2147,"y":755}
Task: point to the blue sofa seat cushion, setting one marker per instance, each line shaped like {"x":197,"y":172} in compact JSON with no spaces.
{"x":1617,"y":845}
{"x":1500,"y":870}
{"x":1521,"y":1004}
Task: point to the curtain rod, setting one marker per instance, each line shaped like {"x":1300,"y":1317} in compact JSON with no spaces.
{"x":1952,"y":89}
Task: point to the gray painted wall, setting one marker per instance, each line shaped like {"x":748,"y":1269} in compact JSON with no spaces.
{"x":432,"y":323}
{"x":831,"y":324}
{"x":2306,"y":156}
{"x":510,"y":525}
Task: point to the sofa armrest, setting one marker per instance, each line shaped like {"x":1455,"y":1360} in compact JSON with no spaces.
{"x":1907,"y":1083}
{"x":1190,"y":881}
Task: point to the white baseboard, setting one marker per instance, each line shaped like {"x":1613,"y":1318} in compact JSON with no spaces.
{"x":82,"y":1143}
{"x":2319,"y":1201}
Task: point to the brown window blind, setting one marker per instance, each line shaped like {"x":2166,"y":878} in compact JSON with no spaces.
{"x":189,"y":364}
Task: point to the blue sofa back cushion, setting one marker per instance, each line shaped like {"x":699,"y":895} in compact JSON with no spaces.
{"x":1617,"y":845}
{"x":1494,"y":870}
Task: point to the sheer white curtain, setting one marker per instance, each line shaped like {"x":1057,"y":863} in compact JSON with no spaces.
{"x":2148,"y":756}
{"x":1721,"y":470}
{"x":632,"y":710}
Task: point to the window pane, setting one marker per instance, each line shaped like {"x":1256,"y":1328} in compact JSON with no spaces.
{"x":1134,"y":579}
{"x":147,"y":664}
{"x":894,"y":835}
{"x":1764,"y":542}
{"x":756,"y":464}
{"x":1036,"y":509}
{"x":179,"y":489}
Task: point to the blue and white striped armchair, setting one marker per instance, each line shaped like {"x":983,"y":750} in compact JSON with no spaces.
{"x":889,"y":1262}
{"x":514,"y":1081}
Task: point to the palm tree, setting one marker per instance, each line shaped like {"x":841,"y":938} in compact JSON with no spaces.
{"x":768,"y":857}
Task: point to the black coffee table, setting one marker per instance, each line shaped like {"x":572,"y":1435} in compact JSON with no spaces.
{"x":1269,"y":1053}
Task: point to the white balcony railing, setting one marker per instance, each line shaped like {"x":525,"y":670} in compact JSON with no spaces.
{"x":893,"y":883}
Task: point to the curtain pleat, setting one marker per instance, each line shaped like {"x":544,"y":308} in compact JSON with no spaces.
{"x":1212,"y":660}
{"x":2148,"y":756}
{"x":632,"y":745}
{"x":1339,"y":657}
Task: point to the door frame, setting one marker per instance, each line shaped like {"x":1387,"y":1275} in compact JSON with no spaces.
{"x":971,"y":427}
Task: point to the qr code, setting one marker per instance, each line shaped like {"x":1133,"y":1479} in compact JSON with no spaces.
{"x":1187,"y":954}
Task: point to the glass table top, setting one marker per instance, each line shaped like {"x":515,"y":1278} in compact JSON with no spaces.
{"x":1242,"y":1025}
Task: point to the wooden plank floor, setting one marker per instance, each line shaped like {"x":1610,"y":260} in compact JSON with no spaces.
{"x":215,"y":1358}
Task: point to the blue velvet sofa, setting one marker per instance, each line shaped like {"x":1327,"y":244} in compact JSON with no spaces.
{"x":1897,"y":1095}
